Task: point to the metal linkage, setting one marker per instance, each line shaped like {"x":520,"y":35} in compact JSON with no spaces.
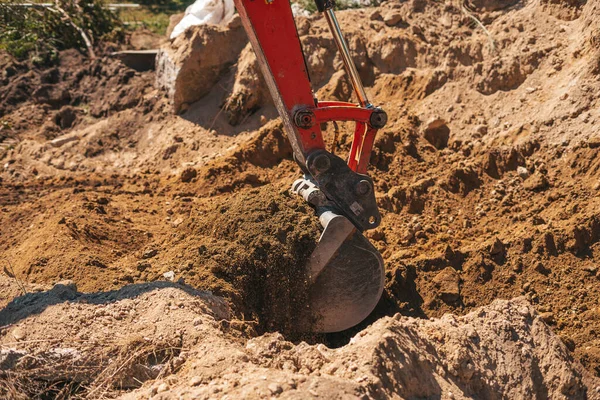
{"x":342,"y":46}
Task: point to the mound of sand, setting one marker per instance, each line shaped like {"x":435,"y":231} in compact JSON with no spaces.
{"x":185,"y":344}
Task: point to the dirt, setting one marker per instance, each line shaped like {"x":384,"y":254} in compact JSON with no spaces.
{"x":486,"y":175}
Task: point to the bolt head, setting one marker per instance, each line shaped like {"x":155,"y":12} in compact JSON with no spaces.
{"x":363,"y":188}
{"x":321,"y":163}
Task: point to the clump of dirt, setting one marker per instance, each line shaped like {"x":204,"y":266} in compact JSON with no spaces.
{"x":259,"y":244}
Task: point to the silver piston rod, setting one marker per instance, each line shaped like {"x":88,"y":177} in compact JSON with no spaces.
{"x":342,"y":46}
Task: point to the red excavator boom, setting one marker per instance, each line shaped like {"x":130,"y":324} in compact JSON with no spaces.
{"x":345,"y":270}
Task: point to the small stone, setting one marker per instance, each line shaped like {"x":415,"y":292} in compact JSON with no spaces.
{"x":536,"y":183}
{"x":375,"y":15}
{"x":263,"y":120}
{"x":530,"y":89}
{"x":275,"y":388}
{"x":392,"y":18}
{"x":18,"y":334}
{"x":537,"y":220}
{"x":188,"y":174}
{"x":592,"y":270}
{"x":547,"y":317}
{"x":67,"y":283}
{"x":169,"y":275}
{"x":437,"y":133}
{"x":522,"y":172}
{"x":497,"y":247}
{"x":149,"y":253}
{"x":482,"y":130}
{"x":448,"y":282}
{"x":195,"y":381}
{"x":163,"y":387}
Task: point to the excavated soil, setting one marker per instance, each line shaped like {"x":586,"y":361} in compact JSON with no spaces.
{"x":179,"y":249}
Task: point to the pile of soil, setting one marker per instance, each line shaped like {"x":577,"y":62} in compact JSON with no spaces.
{"x":162,"y":340}
{"x":487,"y":177}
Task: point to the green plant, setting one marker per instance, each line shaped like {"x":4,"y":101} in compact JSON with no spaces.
{"x":38,"y":32}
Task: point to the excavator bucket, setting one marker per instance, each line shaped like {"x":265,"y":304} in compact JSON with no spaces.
{"x":346,"y":276}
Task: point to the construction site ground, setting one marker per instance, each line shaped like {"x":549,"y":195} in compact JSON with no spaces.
{"x":147,"y":254}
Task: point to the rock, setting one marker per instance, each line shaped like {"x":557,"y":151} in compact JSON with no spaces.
{"x":448,"y":283}
{"x":522,"y":172}
{"x":189,"y":66}
{"x":65,"y":290}
{"x":143,"y":266}
{"x":547,"y":317}
{"x":18,"y":334}
{"x":275,"y":388}
{"x":67,"y":283}
{"x":195,"y":381}
{"x":497,"y":247}
{"x":375,"y":16}
{"x":437,"y":133}
{"x":481,"y":130}
{"x":591,"y":269}
{"x":536,"y":183}
{"x":188,"y":174}
{"x":169,"y":275}
{"x":150,"y":253}
{"x":392,"y":18}
{"x":537,"y":220}
{"x":163,"y":387}
{"x":64,"y":139}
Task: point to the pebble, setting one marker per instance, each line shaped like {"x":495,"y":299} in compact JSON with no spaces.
{"x":522,"y":172}
{"x":375,"y":15}
{"x":392,"y":18}
{"x":497,"y":247}
{"x":275,"y":388}
{"x":169,"y":275}
{"x":18,"y":334}
{"x":163,"y":387}
{"x":547,"y":317}
{"x":195,"y":381}
{"x":150,"y":253}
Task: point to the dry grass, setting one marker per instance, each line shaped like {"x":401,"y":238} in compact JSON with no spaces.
{"x":104,"y":373}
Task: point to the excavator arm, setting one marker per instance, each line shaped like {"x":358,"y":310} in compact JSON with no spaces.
{"x":345,"y":270}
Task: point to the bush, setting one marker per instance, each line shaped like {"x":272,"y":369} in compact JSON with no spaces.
{"x":39,"y":33}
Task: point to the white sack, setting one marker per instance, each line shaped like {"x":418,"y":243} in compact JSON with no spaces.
{"x":205,"y":12}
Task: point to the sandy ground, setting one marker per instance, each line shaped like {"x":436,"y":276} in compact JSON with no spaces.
{"x":487,"y":176}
